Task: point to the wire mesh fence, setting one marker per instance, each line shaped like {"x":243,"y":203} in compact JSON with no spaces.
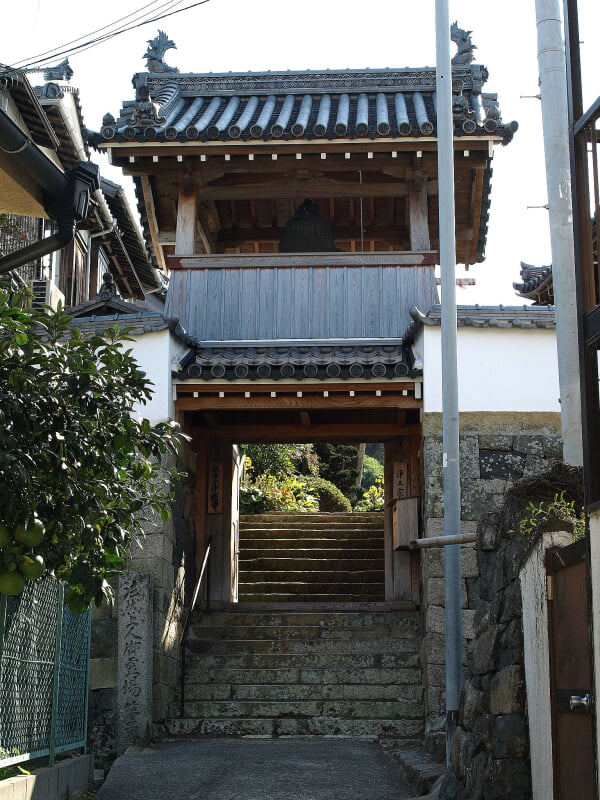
{"x":44,"y":660}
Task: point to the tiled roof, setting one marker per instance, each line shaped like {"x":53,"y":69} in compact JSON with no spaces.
{"x":527,"y":317}
{"x":137,"y":323}
{"x":22,"y":92}
{"x":297,"y":362}
{"x":537,"y":284}
{"x":346,"y":104}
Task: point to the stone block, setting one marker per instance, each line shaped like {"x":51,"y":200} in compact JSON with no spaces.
{"x":480,"y":497}
{"x":495,"y":441}
{"x":509,"y":739}
{"x":468,"y":619}
{"x":483,"y":730}
{"x":432,"y":562}
{"x":434,"y":593}
{"x":161,"y":571}
{"x":460,"y":750}
{"x":506,"y":779}
{"x":435,"y":621}
{"x":135,"y":659}
{"x":553,"y":447}
{"x":483,"y":650}
{"x":103,"y":673}
{"x":435,"y":699}
{"x":468,"y":561}
{"x":511,"y":606}
{"x":46,"y":784}
{"x":488,"y":532}
{"x":436,"y":675}
{"x":510,"y":645}
{"x":104,"y":638}
{"x":474,"y":776}
{"x":104,"y":699}
{"x":498,"y":464}
{"x":474,"y":702}
{"x":472,"y":588}
{"x":535,"y":465}
{"x":530,"y":444}
{"x":507,"y":691}
{"x":469,"y":458}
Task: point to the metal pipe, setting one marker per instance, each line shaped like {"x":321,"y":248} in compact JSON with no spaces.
{"x":444,"y":541}
{"x":450,"y":422}
{"x":553,"y":90}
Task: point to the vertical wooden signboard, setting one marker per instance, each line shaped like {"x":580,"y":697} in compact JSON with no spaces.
{"x":215,"y":488}
{"x":400,"y":485}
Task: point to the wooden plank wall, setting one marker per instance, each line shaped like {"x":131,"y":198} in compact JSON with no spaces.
{"x":299,"y":302}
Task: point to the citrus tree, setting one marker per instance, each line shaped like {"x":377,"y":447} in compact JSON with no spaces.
{"x":78,"y":471}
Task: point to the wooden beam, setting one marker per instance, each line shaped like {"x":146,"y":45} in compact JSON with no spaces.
{"x":419,"y":217}
{"x":317,"y":387}
{"x":376,"y":432}
{"x":152,"y":221}
{"x":307,"y":401}
{"x":203,"y":236}
{"x":309,"y":188}
{"x":232,"y":237}
{"x":305,"y":419}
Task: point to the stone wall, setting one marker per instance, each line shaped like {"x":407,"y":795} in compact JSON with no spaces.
{"x":496,"y":450}
{"x":163,"y":553}
{"x":490,"y":749}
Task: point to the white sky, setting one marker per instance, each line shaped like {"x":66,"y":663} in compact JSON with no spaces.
{"x":240,"y":35}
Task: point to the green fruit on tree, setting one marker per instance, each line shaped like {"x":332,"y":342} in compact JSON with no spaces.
{"x":11,"y":583}
{"x":30,"y":532}
{"x":31,"y":566}
{"x":5,"y":535}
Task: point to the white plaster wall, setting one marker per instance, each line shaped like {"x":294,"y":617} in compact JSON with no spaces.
{"x":154,"y":353}
{"x":499,"y":369}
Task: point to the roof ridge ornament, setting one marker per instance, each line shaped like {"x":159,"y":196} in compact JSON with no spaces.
{"x":61,"y":72}
{"x":462,"y":39}
{"x":154,"y":55}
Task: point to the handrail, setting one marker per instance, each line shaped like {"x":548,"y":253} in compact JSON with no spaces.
{"x":183,"y":640}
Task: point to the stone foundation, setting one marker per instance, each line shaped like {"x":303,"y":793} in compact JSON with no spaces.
{"x":496,"y":451}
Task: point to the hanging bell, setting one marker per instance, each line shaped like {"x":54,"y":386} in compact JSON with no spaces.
{"x":307,"y":232}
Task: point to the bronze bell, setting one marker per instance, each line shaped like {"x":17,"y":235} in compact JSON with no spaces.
{"x":306,"y":232}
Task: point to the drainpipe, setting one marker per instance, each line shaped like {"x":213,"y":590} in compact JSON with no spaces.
{"x":450,"y":423}
{"x":66,"y":194}
{"x":553,"y":90}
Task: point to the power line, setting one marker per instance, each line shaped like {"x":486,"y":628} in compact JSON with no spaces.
{"x":50,"y":53}
{"x":106,"y":37}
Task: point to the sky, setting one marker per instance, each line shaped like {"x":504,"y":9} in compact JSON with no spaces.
{"x":240,"y":35}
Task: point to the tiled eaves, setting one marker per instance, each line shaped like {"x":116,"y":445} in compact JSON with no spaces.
{"x":136,"y":324}
{"x":537,"y":283}
{"x":476,"y":316}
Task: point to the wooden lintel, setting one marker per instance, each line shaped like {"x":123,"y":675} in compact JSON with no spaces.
{"x":309,"y":188}
{"x":419,"y":216}
{"x":401,"y":418}
{"x":297,"y":433}
{"x":314,"y":402}
{"x":318,"y":387}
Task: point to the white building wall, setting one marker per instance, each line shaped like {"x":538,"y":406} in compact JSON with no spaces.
{"x":499,"y":369}
{"x":155,"y":353}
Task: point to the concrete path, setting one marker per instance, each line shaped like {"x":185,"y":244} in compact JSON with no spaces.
{"x":255,"y":769}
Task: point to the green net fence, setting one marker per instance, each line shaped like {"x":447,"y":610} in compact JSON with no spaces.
{"x":44,"y":660}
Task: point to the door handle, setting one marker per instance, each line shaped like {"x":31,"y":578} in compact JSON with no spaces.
{"x":580,"y":702}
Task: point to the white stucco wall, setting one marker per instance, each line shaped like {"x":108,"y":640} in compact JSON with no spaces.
{"x":499,"y":369}
{"x":154,"y":353}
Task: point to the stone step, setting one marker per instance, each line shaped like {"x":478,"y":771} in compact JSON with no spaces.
{"x":302,"y":691}
{"x":338,"y":660}
{"x":302,"y":647}
{"x":275,"y":598}
{"x":399,"y":729}
{"x":300,"y":632}
{"x":298,"y":709}
{"x":304,"y":585}
{"x":313,"y":577}
{"x":285,"y":550}
{"x":333,"y":517}
{"x":289,"y":564}
{"x":322,"y":619}
{"x":306,"y":676}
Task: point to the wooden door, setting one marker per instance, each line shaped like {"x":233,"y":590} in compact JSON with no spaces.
{"x":570,"y":673}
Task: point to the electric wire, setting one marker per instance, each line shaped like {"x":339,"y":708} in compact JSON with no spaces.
{"x":50,"y":53}
{"x":31,"y":65}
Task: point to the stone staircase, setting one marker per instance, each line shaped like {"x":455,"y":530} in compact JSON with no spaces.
{"x":325,"y":673}
{"x":324,"y":557}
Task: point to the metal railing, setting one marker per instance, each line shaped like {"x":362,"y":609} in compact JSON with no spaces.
{"x":184,"y":634}
{"x":44,"y":673}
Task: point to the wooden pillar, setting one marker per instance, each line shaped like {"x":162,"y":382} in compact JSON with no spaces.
{"x":419,"y":217}
{"x":187,"y":215}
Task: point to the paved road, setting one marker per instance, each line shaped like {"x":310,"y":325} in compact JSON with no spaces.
{"x":255,"y":769}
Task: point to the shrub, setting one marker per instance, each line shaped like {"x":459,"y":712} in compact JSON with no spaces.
{"x":372,"y":470}
{"x":330,"y":497}
{"x":269,"y":493}
{"x":373,"y":499}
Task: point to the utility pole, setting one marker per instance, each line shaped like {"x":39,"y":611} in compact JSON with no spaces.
{"x":553,"y":86}
{"x":451,"y":465}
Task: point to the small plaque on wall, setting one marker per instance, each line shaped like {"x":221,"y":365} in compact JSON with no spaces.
{"x":400,"y":484}
{"x":215,"y":488}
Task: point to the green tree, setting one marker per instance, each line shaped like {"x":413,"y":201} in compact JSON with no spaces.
{"x":78,"y":472}
{"x":338,"y":464}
